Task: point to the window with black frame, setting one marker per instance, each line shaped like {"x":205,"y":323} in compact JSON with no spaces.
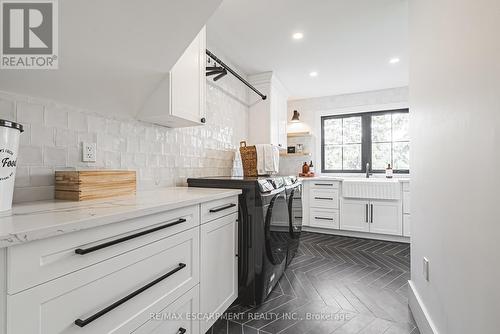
{"x":349,"y":142}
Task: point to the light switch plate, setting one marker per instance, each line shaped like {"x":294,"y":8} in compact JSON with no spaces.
{"x":89,"y":152}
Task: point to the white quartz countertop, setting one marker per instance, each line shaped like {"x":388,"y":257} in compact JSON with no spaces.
{"x":38,"y":220}
{"x":342,"y":178}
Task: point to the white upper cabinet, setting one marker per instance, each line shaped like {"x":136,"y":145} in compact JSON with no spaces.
{"x":179,"y":100}
{"x":268,"y":118}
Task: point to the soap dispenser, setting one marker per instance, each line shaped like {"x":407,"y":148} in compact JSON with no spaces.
{"x":388,"y":171}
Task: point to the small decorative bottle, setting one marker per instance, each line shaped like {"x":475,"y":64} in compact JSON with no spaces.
{"x":311,"y":168}
{"x":388,"y":171}
{"x":305,"y":168}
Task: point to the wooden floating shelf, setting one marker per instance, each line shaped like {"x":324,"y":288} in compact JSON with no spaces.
{"x":295,"y":154}
{"x":299,"y":134}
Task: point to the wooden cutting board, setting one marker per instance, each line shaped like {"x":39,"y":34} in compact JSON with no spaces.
{"x":94,"y":184}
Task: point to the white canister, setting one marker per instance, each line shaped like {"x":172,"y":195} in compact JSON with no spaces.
{"x":9,"y":146}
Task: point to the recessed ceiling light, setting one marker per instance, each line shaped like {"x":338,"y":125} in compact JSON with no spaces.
{"x":298,"y":35}
{"x":313,"y":74}
{"x":394,"y":60}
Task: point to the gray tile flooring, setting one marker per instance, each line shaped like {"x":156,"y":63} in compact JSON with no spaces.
{"x":334,"y":285}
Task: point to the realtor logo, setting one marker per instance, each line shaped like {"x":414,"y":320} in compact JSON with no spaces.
{"x":29,"y":34}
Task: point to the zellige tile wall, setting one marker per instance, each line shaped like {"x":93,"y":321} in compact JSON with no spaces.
{"x":161,"y":156}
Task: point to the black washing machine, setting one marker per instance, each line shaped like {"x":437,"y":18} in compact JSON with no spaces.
{"x":264,"y":232}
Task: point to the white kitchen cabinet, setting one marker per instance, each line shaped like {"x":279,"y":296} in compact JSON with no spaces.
{"x":385,"y":217}
{"x":406,"y":225}
{"x":141,"y":275}
{"x":374,"y":216}
{"x":406,"y":202}
{"x":267,"y":118}
{"x":355,"y":215}
{"x":219,"y":266}
{"x":325,"y":218}
{"x":180,"y":98}
{"x":183,"y":309}
{"x":165,"y":276}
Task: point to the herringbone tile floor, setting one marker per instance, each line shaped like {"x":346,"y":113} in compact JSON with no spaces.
{"x":334,"y":285}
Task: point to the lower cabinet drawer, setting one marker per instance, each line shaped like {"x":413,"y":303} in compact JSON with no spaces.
{"x":219,"y":208}
{"x":324,"y":218}
{"x":116,"y":302}
{"x":176,"y":318}
{"x":325,"y":198}
{"x":40,"y":261}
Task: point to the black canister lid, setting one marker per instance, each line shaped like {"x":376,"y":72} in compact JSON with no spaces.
{"x":9,"y":124}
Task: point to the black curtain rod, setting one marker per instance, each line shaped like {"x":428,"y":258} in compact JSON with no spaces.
{"x":230,"y":70}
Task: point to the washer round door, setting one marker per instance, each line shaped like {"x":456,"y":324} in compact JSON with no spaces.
{"x":277,"y":229}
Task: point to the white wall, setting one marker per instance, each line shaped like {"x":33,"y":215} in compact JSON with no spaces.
{"x":312,"y":109}
{"x":455,"y":161}
{"x":161,"y":156}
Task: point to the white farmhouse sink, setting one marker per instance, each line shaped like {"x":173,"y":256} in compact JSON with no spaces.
{"x":374,"y":188}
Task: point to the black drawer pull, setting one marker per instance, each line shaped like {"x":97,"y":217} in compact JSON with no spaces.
{"x":181,"y":331}
{"x":222,"y":208}
{"x":323,"y":218}
{"x":85,"y":322}
{"x":83,"y":251}
{"x":324,"y":184}
{"x":325,"y":198}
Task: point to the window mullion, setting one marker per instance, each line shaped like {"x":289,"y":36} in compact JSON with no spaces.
{"x":366,"y":149}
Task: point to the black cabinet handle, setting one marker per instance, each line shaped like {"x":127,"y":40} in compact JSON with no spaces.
{"x":323,"y":218}
{"x":181,"y":331}
{"x":371,"y":213}
{"x":203,"y":120}
{"x":325,"y":198}
{"x":366,"y":213}
{"x":83,"y":251}
{"x":324,"y":184}
{"x":222,"y":208}
{"x":85,"y":322}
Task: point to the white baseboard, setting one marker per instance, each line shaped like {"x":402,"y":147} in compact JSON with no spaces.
{"x":354,"y":234}
{"x":420,"y":313}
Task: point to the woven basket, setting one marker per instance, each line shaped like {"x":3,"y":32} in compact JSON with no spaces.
{"x":248,"y":159}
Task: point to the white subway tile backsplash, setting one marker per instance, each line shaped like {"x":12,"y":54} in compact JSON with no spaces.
{"x":25,"y":137}
{"x":161,"y":156}
{"x":30,"y":155}
{"x":96,"y":124}
{"x":65,"y":137}
{"x":7,"y":110}
{"x":77,"y":121}
{"x":29,"y":194}
{"x":29,"y":113}
{"x":22,"y":177}
{"x":112,"y":160}
{"x":55,"y":156}
{"x":113,"y":127}
{"x":41,"y":176}
{"x":56,"y":117}
{"x":41,"y":135}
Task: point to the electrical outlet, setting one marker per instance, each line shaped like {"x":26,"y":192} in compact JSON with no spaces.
{"x":89,"y":152}
{"x":425,"y":269}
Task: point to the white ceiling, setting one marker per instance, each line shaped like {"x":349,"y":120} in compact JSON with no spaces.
{"x":348,"y":42}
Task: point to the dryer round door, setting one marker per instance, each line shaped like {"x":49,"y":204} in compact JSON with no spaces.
{"x":277,"y":229}
{"x":295,"y":211}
